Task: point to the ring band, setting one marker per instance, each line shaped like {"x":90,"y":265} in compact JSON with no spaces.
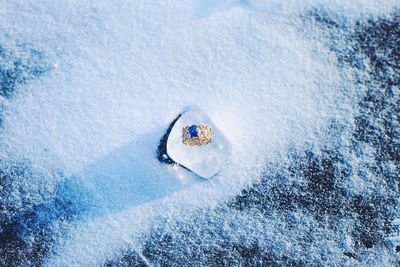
{"x":197,"y":135}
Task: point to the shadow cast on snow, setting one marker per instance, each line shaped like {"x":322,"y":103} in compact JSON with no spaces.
{"x":132,"y":175}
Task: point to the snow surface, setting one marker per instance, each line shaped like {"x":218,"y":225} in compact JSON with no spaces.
{"x":121,"y":71}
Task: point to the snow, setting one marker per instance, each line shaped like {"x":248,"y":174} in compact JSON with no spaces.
{"x":124,"y":70}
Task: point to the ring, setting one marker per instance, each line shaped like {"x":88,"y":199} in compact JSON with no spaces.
{"x":196,"y":135}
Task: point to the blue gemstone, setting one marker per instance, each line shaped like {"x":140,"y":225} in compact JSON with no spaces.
{"x":193,"y":130}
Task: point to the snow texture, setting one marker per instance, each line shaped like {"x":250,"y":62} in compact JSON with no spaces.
{"x":307,"y":93}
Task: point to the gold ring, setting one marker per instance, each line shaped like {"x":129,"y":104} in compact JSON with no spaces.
{"x":196,"y":135}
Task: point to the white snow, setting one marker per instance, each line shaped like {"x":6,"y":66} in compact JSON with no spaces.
{"x":125,"y":69}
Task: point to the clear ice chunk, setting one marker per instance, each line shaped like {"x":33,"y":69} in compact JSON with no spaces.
{"x":205,"y":160}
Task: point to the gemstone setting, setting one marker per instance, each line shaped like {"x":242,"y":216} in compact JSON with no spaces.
{"x":194,"y":131}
